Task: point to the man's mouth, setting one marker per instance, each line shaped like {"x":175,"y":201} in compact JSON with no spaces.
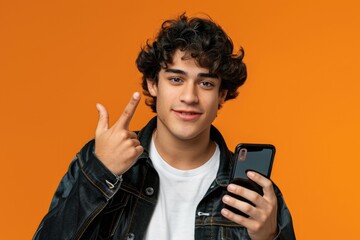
{"x":187,"y":115}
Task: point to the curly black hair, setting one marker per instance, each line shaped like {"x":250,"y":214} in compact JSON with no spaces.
{"x":205,"y":41}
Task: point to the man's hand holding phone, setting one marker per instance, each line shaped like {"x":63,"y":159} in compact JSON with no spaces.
{"x":262,"y":220}
{"x":117,"y":147}
{"x":251,"y":200}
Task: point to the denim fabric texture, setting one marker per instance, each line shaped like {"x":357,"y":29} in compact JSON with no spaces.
{"x":92,"y":203}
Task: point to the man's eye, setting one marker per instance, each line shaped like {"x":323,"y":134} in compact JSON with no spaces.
{"x":207,"y":84}
{"x":175,"y":80}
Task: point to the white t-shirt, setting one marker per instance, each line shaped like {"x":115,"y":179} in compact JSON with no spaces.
{"x":179,"y":195}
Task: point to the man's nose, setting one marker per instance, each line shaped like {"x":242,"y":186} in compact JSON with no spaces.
{"x":189,"y":93}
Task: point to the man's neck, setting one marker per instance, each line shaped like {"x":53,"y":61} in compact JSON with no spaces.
{"x":184,"y":154}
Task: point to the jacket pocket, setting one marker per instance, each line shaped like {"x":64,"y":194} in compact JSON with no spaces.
{"x":112,"y":215}
{"x":228,"y":230}
{"x":231,"y":233}
{"x":220,"y":228}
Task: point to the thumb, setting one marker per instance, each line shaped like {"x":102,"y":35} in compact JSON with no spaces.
{"x":103,"y":122}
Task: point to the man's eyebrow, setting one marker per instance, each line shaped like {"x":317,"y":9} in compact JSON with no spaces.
{"x":202,"y":75}
{"x":178,"y":71}
{"x":208,"y":75}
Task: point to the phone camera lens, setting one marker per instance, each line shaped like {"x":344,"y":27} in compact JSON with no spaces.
{"x":242,"y":154}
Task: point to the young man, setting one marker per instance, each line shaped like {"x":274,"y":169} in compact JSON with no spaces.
{"x":169,"y":180}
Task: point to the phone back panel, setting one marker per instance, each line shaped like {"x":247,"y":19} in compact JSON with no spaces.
{"x":255,"y":157}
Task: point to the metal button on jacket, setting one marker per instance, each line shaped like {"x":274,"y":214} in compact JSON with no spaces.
{"x":131,"y":236}
{"x":149,"y":191}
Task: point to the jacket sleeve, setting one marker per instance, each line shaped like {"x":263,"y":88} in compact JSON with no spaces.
{"x":285,"y":223}
{"x":81,"y":196}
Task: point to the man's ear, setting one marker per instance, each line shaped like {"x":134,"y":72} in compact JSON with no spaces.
{"x":152,"y":87}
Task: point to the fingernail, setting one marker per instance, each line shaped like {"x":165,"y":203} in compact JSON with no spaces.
{"x":136,"y":95}
{"x":226,"y":198}
{"x":231,"y":187}
{"x":250,"y":174}
{"x":224,"y":211}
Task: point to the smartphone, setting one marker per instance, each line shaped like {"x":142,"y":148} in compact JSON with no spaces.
{"x":255,"y":157}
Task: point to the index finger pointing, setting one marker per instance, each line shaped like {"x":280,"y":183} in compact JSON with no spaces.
{"x":126,"y":116}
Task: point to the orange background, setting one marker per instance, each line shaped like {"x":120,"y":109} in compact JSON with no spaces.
{"x":58,"y":58}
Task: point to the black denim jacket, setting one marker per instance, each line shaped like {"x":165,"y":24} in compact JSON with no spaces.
{"x":92,"y":203}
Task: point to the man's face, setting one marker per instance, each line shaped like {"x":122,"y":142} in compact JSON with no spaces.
{"x":188,"y":97}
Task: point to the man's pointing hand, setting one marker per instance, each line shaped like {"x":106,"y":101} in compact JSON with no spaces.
{"x":117,"y":147}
